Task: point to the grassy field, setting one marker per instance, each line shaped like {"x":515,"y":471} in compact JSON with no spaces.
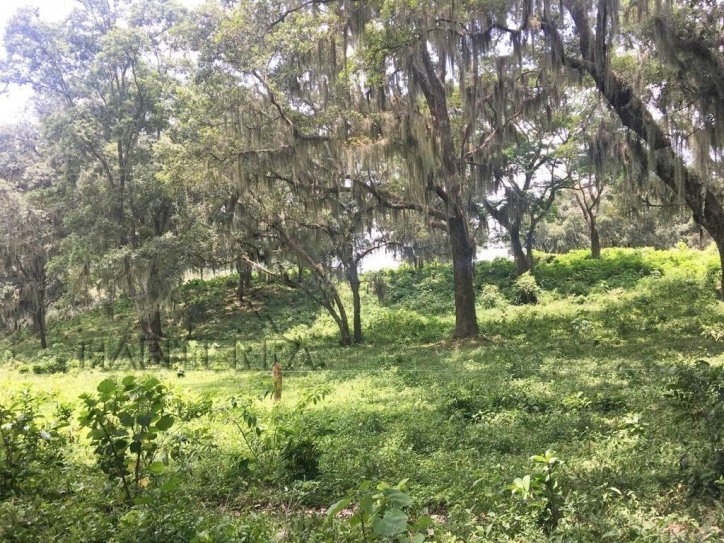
{"x":616,"y":371}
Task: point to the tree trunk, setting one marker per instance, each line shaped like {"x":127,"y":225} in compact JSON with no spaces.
{"x":720,"y":245}
{"x":595,"y":240}
{"x":243,"y":270}
{"x":529,"y":250}
{"x":345,"y":339}
{"x":354,"y":283}
{"x":39,"y":318}
{"x":521,"y":260}
{"x":463,"y":251}
{"x":152,"y":331}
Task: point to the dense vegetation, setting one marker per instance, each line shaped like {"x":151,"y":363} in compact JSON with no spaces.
{"x":592,"y":414}
{"x":191,"y":351}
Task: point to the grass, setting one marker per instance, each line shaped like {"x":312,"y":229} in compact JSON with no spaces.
{"x":584,"y":373}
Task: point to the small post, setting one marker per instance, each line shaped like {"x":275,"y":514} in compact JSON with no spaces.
{"x":277,"y":375}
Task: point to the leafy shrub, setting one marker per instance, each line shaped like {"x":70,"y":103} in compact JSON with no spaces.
{"x":52,"y":360}
{"x":379,"y":286}
{"x":491,"y":297}
{"x":6,"y":357}
{"x":541,"y":491}
{"x":191,"y":408}
{"x":283,"y":448}
{"x":27,"y":448}
{"x":500,"y":272}
{"x":380,"y":513}
{"x":698,"y":393}
{"x":405,"y":324}
{"x":125,"y":420}
{"x":526,"y":290}
{"x":171,"y":520}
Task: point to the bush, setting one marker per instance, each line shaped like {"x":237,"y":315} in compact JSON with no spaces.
{"x":125,"y":420}
{"x":491,"y":297}
{"x":526,"y":290}
{"x":26,"y":447}
{"x":698,"y":394}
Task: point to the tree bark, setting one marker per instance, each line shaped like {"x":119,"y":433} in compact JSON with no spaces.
{"x":243,"y":270}
{"x":720,"y":246}
{"x":40,"y":323}
{"x":529,"y":249}
{"x":519,"y":256}
{"x":354,"y":283}
{"x":461,"y":242}
{"x":595,"y":239}
{"x":463,"y":251}
{"x":152,"y":332}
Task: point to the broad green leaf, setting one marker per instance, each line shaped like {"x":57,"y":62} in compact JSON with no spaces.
{"x":128,"y":380}
{"x":337,"y":507}
{"x":126,"y":419}
{"x":164,"y":423}
{"x":393,"y":523}
{"x":96,"y":433}
{"x":366,"y":505}
{"x":399,"y":499}
{"x":156,"y":468}
{"x":145,"y":419}
{"x":106,"y":386}
{"x":150,"y":383}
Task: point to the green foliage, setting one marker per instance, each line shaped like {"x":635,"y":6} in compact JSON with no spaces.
{"x":526,"y":290}
{"x":282,"y":449}
{"x":578,"y":374}
{"x":491,"y":297}
{"x":379,"y":513}
{"x":541,"y":491}
{"x":697,"y":391}
{"x":125,"y":421}
{"x":174,"y":520}
{"x":27,"y":447}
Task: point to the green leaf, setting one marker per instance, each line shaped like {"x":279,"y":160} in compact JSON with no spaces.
{"x":145,"y":419}
{"x":156,"y":468}
{"x":142,"y":500}
{"x":393,"y":523}
{"x":106,"y":386}
{"x":128,"y":380}
{"x":399,"y":499}
{"x":164,"y":423}
{"x":337,"y":507}
{"x":126,"y":419}
{"x":96,"y":433}
{"x":366,"y":505}
{"x":150,"y":383}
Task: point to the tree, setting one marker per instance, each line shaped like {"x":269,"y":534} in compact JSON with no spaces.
{"x":372,"y":88}
{"x":104,"y":82}
{"x":687,"y":37}
{"x":529,"y":178}
{"x":28,"y":241}
{"x":30,"y":229}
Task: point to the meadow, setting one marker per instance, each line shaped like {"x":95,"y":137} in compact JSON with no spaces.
{"x":591,"y":408}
